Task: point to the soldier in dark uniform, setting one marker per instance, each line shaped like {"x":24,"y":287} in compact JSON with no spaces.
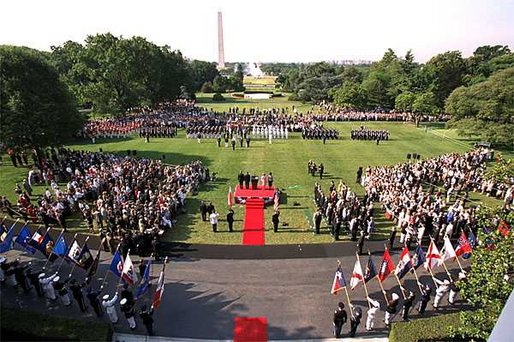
{"x":247,"y":141}
{"x":426,"y":291}
{"x":126,"y":293}
{"x":275,"y":220}
{"x":76,"y":290}
{"x":317,"y":220}
{"x":146,"y":317}
{"x":360,"y":244}
{"x":230,"y":220}
{"x":407,"y":304}
{"x":355,"y":320}
{"x":340,"y":318}
{"x":94,"y":301}
{"x":321,"y":170}
{"x":33,"y":277}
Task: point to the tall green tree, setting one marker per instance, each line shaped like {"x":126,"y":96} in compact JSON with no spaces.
{"x":36,"y":106}
{"x":485,"y":109}
{"x":350,"y":95}
{"x":445,"y":72}
{"x":202,"y":72}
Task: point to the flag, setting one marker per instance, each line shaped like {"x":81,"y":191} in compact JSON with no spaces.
{"x":74,"y":252}
{"x":463,"y":245}
{"x":85,"y":259}
{"x":94,"y":266}
{"x":37,"y":239}
{"x":145,"y":282}
{"x":433,"y":256}
{"x":371,"y":270}
{"x":339,"y":282}
{"x":404,"y":264}
{"x":128,"y":273}
{"x":23,"y":238}
{"x":60,"y":246}
{"x":357,"y":275}
{"x":473,"y":243}
{"x":419,"y":257}
{"x":46,"y":245}
{"x":7,"y":241}
{"x":503,"y":228}
{"x":117,"y":264}
{"x":276,"y":201}
{"x":157,"y":296}
{"x":386,"y":267}
{"x":229,"y":197}
{"x":447,"y":252}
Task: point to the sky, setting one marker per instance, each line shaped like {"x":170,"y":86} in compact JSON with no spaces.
{"x":269,"y":30}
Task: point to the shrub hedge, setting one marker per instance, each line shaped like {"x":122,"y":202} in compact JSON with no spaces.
{"x":424,"y":329}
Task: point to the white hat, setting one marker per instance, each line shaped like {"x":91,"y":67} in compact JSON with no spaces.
{"x":123,"y":301}
{"x":105,"y":297}
{"x":42,"y":275}
{"x":395,"y":296}
{"x":56,"y":279}
{"x":446,"y":282}
{"x":2,"y":259}
{"x":462,"y":275}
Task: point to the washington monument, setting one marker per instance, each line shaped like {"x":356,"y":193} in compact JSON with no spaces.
{"x":221,"y":50}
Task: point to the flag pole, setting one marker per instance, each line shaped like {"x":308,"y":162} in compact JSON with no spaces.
{"x":121,"y":276}
{"x":446,"y":269}
{"x":108,"y":269}
{"x":75,"y":263}
{"x":52,"y":251}
{"x":458,"y":262}
{"x":432,"y":274}
{"x":67,"y":250}
{"x":94,"y":260}
{"x":380,"y":283}
{"x":397,"y":279}
{"x":346,"y":290}
{"x":363,"y":280}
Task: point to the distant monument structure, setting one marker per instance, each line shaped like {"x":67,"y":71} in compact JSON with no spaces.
{"x":221,"y":49}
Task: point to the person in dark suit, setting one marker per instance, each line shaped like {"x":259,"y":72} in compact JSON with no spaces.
{"x":321,"y":170}
{"x":317,"y":220}
{"x":76,"y":290}
{"x":275,"y":220}
{"x":241,"y":179}
{"x":247,"y":141}
{"x":146,"y":317}
{"x":203,"y":211}
{"x":230,"y":219}
{"x":340,"y":318}
{"x":247,"y":180}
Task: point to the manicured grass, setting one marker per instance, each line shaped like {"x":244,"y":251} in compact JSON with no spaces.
{"x":18,"y":325}
{"x":265,"y":80}
{"x":287,"y":159}
{"x":424,"y":329}
{"x":205,"y":100}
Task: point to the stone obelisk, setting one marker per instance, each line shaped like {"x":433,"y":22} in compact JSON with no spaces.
{"x":221,"y":49}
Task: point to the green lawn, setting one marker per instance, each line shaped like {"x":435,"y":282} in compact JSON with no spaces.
{"x":205,"y":100}
{"x":288,"y":162}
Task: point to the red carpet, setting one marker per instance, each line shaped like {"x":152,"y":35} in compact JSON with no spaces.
{"x":251,"y":329}
{"x":253,"y":233}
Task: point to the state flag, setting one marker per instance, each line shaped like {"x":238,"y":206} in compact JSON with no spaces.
{"x":339,"y":283}
{"x":60,"y":246}
{"x":46,"y":245}
{"x":404,"y":264}
{"x":433,"y":256}
{"x":7,"y":241}
{"x":159,"y":291}
{"x":128,"y":273}
{"x":74,"y":252}
{"x":447,"y":251}
{"x":371,"y":270}
{"x":117,"y":264}
{"x":230,"y":200}
{"x":503,"y":228}
{"x":145,"y":282}
{"x":23,"y":239}
{"x":473,"y":242}
{"x":463,"y":245}
{"x":36,"y":239}
{"x":419,"y":257}
{"x":85,"y":259}
{"x":386,"y":267}
{"x":357,"y":275}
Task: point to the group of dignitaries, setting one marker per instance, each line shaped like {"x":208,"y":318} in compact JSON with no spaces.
{"x":57,"y":288}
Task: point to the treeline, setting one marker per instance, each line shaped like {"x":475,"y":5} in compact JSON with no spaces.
{"x":477,"y":91}
{"x":42,"y":91}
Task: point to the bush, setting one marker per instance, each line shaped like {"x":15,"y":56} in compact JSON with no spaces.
{"x":294,"y":97}
{"x":218,"y":97}
{"x":32,"y":326}
{"x":425,"y":329}
{"x":207,"y":88}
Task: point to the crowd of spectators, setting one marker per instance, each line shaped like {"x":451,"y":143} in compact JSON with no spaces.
{"x":125,"y":198}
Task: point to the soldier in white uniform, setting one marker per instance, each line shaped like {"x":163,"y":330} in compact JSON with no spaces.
{"x":372,"y":313}
{"x":46,"y":284}
{"x":444,"y":287}
{"x":110,"y":308}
